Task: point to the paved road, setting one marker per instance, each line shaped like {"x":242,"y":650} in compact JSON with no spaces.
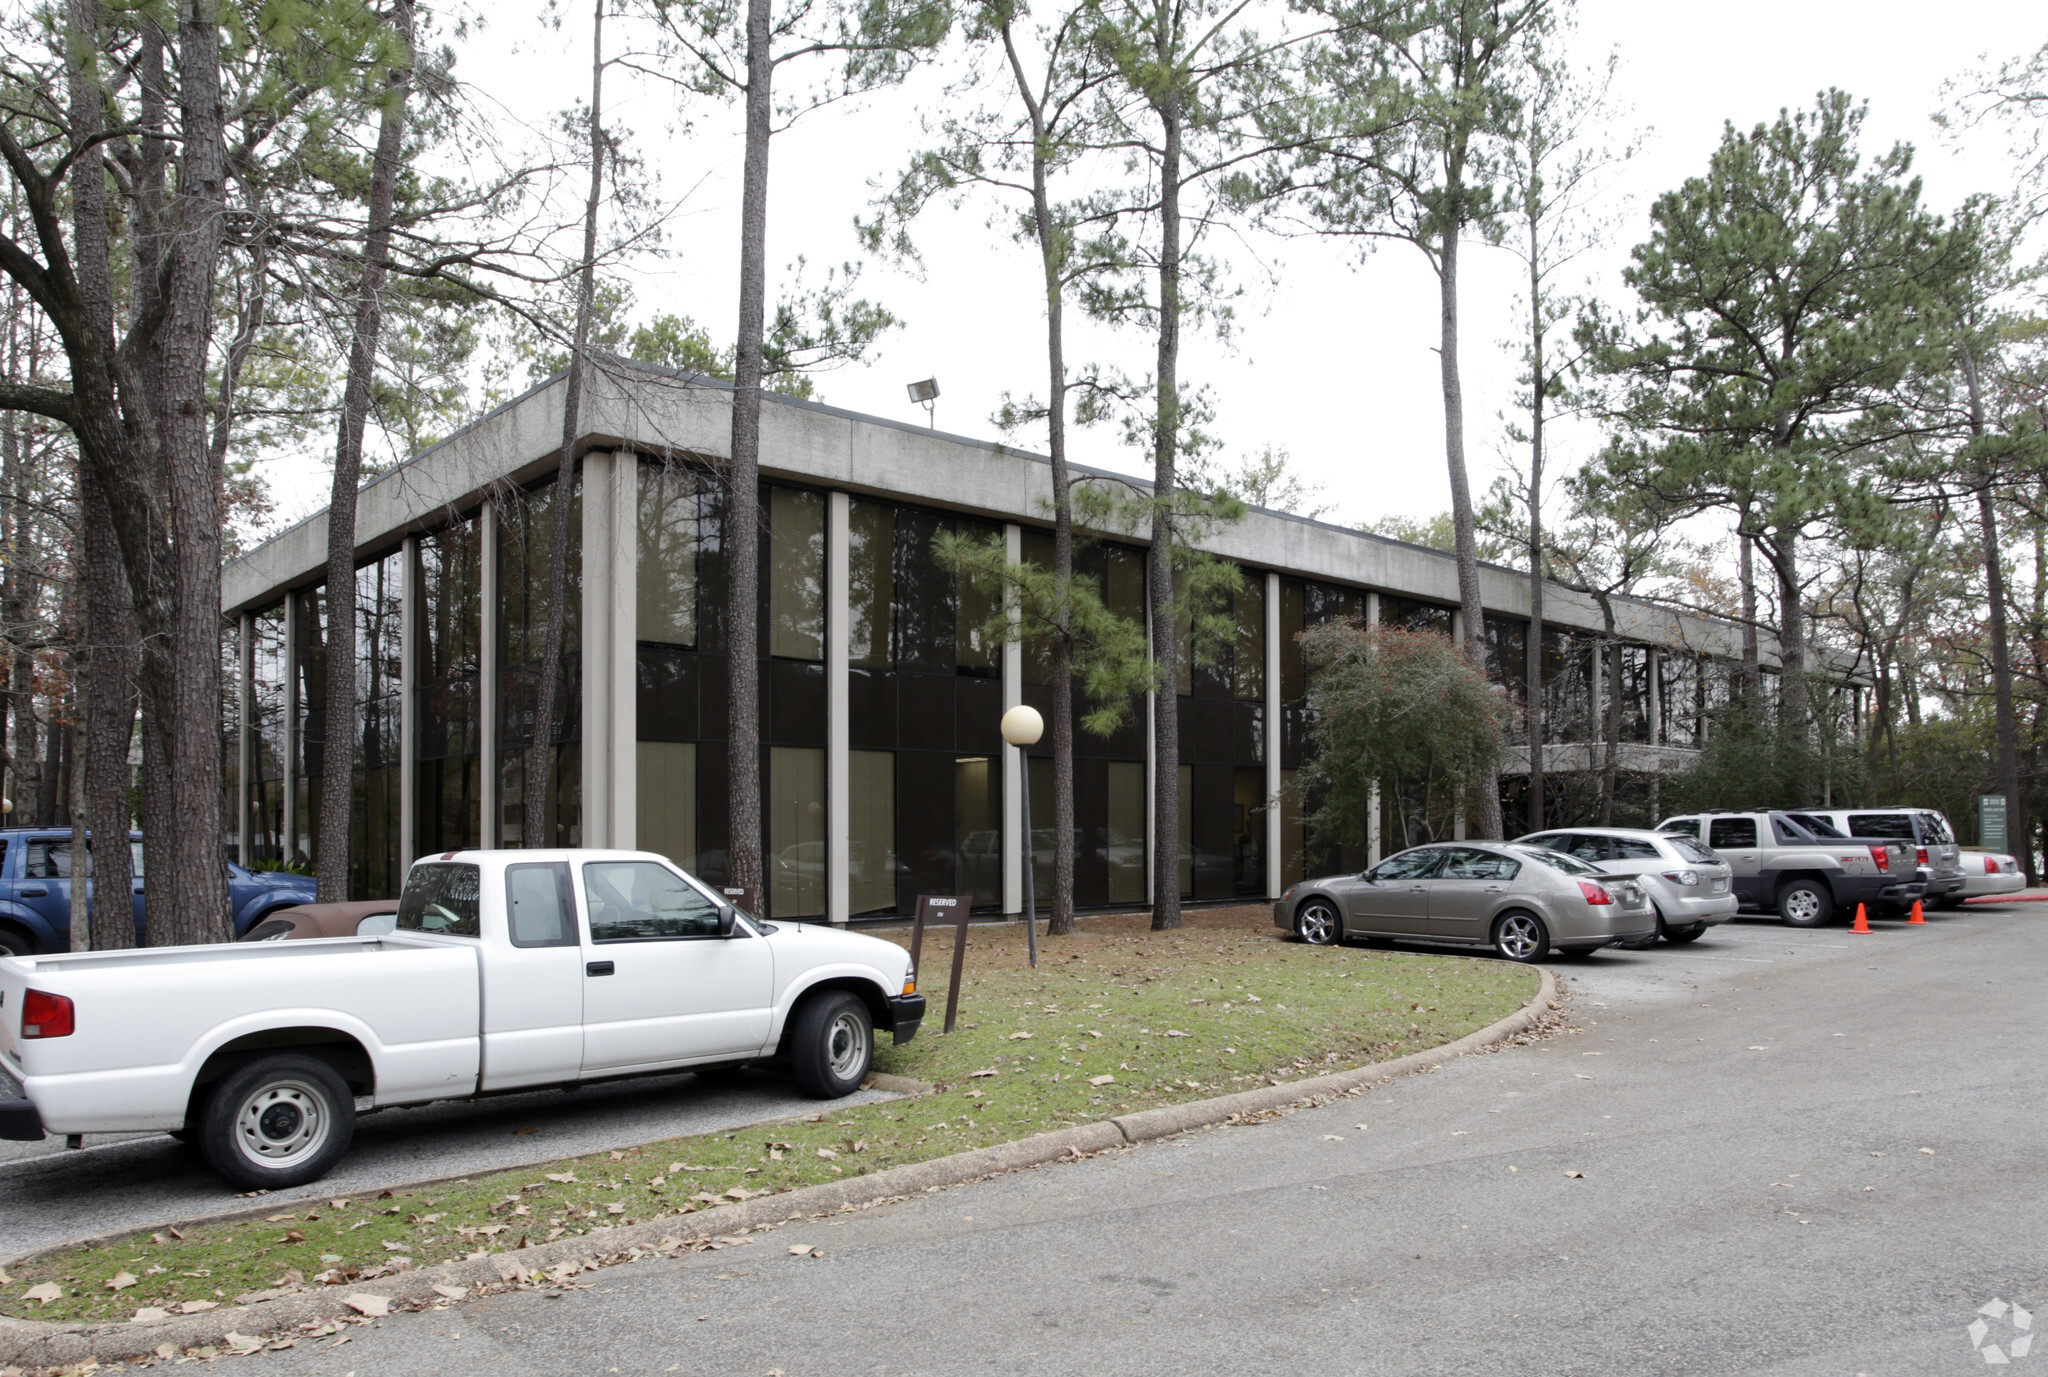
{"x":1749,"y":1116}
{"x":129,"y":1181}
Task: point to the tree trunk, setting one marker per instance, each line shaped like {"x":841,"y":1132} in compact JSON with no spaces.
{"x":198,"y":894}
{"x":1052,"y":261}
{"x":540,"y":753}
{"x":1533,"y":689}
{"x":1794,"y":708}
{"x":1752,"y":662}
{"x":109,"y":708}
{"x":1610,"y":766}
{"x":82,"y":868}
{"x":1166,"y":799}
{"x":338,"y":755}
{"x":1474,"y":615}
{"x":2001,"y":645}
{"x":743,"y":510}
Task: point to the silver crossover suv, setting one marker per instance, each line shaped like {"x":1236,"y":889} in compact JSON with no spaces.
{"x":1690,"y":886}
{"x":1522,"y":901}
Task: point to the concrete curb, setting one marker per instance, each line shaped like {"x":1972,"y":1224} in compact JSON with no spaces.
{"x":34,"y":1344}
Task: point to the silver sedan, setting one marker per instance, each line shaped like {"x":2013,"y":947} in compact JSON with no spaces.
{"x":1522,"y":901}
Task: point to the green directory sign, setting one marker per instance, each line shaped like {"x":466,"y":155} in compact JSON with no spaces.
{"x":1991,"y":822}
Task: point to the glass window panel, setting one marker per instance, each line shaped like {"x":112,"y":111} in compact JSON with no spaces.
{"x":796,"y":574}
{"x":871,"y":580}
{"x":268,"y":707}
{"x":666,"y":580}
{"x":1248,"y":658}
{"x":1038,"y":548}
{"x":796,"y":832}
{"x":1293,"y":621}
{"x":1123,"y":583}
{"x":541,"y":904}
{"x":1293,"y":834}
{"x":977,"y":649}
{"x":925,"y":609}
{"x":871,"y":831}
{"x":1044,"y":832}
{"x":1187,"y":832}
{"x":1124,"y":848}
{"x":639,"y":901}
{"x":441,"y":898}
{"x":1248,"y":828}
{"x":666,"y":800}
{"x":977,"y":829}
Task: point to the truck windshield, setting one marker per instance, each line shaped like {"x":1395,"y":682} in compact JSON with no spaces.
{"x":440,"y":898}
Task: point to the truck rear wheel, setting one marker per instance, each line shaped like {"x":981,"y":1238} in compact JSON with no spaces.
{"x":277,"y":1121}
{"x":1806,"y":904}
{"x":832,"y":1045}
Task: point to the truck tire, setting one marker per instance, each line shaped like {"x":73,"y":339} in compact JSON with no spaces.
{"x":1806,"y":904}
{"x":832,"y":1044}
{"x":276,"y":1121}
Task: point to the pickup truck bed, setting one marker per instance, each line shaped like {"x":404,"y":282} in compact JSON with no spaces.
{"x":509,"y":971}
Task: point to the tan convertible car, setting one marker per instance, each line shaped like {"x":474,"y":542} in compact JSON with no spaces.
{"x":1523,"y":901}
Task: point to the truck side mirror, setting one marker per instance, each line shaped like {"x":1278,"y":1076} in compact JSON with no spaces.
{"x":725,"y":920}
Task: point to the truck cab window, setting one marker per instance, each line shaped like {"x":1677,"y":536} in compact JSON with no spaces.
{"x":638,"y":901}
{"x":537,"y":897}
{"x":441,"y":898}
{"x":1724,"y":833}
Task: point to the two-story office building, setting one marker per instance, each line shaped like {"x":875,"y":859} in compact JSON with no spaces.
{"x":883,"y":773}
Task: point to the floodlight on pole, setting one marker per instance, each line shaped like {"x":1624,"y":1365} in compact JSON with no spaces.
{"x":926,"y":395}
{"x":1021,"y":727}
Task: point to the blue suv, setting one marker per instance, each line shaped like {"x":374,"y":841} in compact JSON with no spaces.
{"x":35,"y":891}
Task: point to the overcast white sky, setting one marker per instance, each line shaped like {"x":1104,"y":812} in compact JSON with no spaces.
{"x":1337,"y":363}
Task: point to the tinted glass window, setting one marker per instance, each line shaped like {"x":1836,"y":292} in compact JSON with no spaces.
{"x":1560,"y":860}
{"x":48,"y":858}
{"x":1727,"y":832}
{"x":1470,"y":863}
{"x":377,"y":924}
{"x":1409,"y":865}
{"x":1819,"y":827}
{"x":1692,"y":850}
{"x":1589,"y":849}
{"x":637,"y":901}
{"x":1682,"y":827}
{"x":1895,"y":826}
{"x":1635,"y":849}
{"x":274,"y":930}
{"x":1934,"y":827}
{"x":440,"y":898}
{"x":542,"y":911}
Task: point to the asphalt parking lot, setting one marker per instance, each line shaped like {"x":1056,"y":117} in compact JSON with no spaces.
{"x":126,"y":1181}
{"x":1777,"y":1152}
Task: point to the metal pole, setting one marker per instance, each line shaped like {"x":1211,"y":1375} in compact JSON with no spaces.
{"x":1030,"y":897}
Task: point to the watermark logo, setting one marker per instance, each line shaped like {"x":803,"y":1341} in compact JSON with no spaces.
{"x":2002,"y":1332}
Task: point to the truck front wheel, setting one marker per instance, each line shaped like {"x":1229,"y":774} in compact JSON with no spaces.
{"x":280,"y":1120}
{"x":832,"y":1045}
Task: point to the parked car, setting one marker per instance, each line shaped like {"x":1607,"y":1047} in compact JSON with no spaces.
{"x":1801,"y":867}
{"x":35,"y":891}
{"x":1520,"y":900}
{"x":1991,"y":872}
{"x":357,"y":918}
{"x":1924,"y":831}
{"x":260,"y":1051}
{"x":1689,"y":885}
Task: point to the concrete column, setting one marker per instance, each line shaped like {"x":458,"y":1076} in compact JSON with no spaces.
{"x":599,"y":724}
{"x":487,"y":675}
{"x":624,"y":543}
{"x":1372,"y":808}
{"x":289,"y":826}
{"x":1015,"y":843}
{"x":408,"y":707}
{"x":1275,"y":838}
{"x":245,"y":675}
{"x":838,"y":729}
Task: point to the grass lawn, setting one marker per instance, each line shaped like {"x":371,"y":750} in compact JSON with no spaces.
{"x":1115,"y":1019}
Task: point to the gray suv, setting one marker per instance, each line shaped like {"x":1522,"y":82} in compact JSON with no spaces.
{"x":1802,"y":867}
{"x":1924,"y":831}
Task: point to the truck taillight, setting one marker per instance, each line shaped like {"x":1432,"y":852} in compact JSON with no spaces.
{"x":1595,"y":894}
{"x":1920,"y":856}
{"x":46,"y":1016}
{"x":1882,"y":857}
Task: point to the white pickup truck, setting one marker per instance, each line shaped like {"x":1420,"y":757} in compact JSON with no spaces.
{"x":506,"y":970}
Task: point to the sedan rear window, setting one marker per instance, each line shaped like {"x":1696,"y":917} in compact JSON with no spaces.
{"x":441,"y":898}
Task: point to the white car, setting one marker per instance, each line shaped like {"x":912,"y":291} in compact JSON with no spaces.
{"x":1991,"y":872}
{"x":507,"y":970}
{"x":1691,"y":887}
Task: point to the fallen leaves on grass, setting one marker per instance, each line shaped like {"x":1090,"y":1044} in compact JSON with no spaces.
{"x":1102,"y":1080}
{"x":121,"y":1280}
{"x":45,"y":1293}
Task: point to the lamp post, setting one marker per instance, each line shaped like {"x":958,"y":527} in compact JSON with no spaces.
{"x":1022,"y":726}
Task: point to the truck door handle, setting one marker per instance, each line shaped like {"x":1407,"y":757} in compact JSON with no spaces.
{"x":37,"y":893}
{"x":597,"y":968}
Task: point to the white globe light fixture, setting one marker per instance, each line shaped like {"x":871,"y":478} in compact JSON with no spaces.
{"x":1022,"y":726}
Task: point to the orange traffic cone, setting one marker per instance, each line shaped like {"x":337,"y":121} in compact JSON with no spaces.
{"x":1862,"y":923}
{"x":1918,"y":916}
